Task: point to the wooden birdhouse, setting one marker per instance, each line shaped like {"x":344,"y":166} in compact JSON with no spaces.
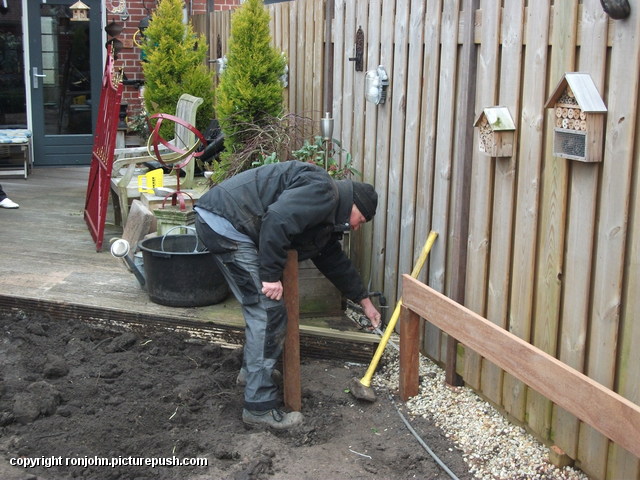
{"x":497,"y":131}
{"x":579,"y":118}
{"x":80,"y":12}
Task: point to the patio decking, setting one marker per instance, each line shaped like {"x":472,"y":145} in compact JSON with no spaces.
{"x":49,"y":264}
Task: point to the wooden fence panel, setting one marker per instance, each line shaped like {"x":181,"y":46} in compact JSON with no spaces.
{"x":551,"y":250}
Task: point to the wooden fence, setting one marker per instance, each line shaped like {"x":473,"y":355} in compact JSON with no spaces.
{"x":543,"y":246}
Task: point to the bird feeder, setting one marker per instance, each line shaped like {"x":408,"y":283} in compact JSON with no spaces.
{"x":497,"y":131}
{"x":80,"y":12}
{"x":579,"y":118}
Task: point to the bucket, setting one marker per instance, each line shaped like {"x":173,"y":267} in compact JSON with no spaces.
{"x":180,"y":272}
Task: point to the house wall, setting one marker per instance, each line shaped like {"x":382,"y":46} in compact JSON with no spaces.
{"x":129,"y":57}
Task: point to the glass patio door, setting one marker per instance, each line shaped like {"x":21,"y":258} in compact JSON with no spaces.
{"x":65,"y":69}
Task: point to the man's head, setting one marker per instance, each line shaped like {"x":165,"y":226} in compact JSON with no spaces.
{"x":365,"y":201}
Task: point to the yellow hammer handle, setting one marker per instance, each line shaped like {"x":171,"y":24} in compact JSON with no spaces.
{"x":366,"y":380}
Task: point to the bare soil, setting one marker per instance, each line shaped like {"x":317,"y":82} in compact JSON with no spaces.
{"x":71,"y":393}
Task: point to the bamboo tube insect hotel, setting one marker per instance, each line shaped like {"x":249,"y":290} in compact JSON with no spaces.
{"x":579,"y":118}
{"x":497,"y":131}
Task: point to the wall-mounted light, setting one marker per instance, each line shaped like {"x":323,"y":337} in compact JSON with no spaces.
{"x":376,"y":83}
{"x":284,"y":78}
{"x":221,"y":64}
{"x":80,"y":12}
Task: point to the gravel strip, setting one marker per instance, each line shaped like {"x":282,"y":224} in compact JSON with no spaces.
{"x":494,"y":448}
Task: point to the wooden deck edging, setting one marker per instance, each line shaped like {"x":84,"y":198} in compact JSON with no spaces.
{"x":606,"y":411}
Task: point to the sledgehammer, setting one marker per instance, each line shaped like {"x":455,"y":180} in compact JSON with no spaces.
{"x":361,"y":388}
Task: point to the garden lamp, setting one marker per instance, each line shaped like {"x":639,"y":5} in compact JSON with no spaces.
{"x":326,"y":127}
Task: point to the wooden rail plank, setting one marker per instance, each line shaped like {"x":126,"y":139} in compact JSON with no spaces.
{"x":609,"y":413}
{"x":578,"y":263}
{"x":529,"y":163}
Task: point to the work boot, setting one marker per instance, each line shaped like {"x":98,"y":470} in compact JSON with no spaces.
{"x":241,"y":379}
{"x":274,"y":418}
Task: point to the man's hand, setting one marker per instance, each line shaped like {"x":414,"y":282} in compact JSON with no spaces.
{"x":371,"y":312}
{"x":272,"y":290}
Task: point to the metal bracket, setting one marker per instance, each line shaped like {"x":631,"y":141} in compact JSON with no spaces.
{"x":359,"y":50}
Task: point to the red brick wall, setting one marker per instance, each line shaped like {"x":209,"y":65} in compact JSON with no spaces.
{"x":129,"y":56}
{"x":219,"y":5}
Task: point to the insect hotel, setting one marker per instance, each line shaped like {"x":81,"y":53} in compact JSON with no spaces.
{"x":579,"y":118}
{"x":497,"y":131}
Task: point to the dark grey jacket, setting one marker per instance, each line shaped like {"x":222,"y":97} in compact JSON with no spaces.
{"x":291,"y":205}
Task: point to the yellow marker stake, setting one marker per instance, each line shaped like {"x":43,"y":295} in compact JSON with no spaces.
{"x":366,"y":380}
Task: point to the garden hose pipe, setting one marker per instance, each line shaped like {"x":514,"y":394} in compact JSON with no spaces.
{"x":366,"y":380}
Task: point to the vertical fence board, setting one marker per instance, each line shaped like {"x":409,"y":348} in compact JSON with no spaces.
{"x":361,"y":241}
{"x":369,"y":174}
{"x":338,"y":66}
{"x":348,"y":75}
{"x":382,"y":156}
{"x":552,"y":214}
{"x":426,"y":170}
{"x":294,"y":75}
{"x":397,"y":107}
{"x":504,"y":190}
{"x":443,"y":159}
{"x":481,"y":181}
{"x":622,"y":464}
{"x":413,"y":98}
{"x":301,"y":73}
{"x":531,"y":124}
{"x":611,"y":229}
{"x":580,"y":227}
{"x":318,"y":61}
{"x":428,"y":122}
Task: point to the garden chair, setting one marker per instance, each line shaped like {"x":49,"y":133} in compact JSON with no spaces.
{"x":125,"y":172}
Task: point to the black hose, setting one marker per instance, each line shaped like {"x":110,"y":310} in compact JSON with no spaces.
{"x":422,"y":442}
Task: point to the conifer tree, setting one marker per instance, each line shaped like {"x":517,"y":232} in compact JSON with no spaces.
{"x":175,"y":64}
{"x":250,"y":90}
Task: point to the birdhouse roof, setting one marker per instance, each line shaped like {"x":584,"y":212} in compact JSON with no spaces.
{"x":499,"y":118}
{"x":584,"y":91}
{"x":79,"y":5}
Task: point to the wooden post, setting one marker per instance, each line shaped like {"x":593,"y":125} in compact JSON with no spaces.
{"x":409,"y":353}
{"x":291,"y":354}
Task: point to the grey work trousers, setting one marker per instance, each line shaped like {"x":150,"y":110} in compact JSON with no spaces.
{"x":265,"y":319}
